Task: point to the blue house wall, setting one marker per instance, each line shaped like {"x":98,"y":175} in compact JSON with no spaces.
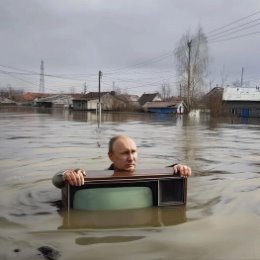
{"x":163,"y":110}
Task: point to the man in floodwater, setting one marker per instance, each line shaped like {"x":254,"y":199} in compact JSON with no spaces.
{"x":122,"y":152}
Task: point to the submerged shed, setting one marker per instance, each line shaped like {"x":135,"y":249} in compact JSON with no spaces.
{"x":165,"y":107}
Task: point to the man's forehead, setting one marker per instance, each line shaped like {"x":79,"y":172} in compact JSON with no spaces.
{"x":124,"y":141}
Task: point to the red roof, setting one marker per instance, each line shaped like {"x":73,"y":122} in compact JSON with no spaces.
{"x":30,"y":96}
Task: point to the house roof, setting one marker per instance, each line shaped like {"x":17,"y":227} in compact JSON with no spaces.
{"x":147,"y":98}
{"x":161,"y":104}
{"x":241,"y":94}
{"x":77,"y":95}
{"x":214,"y":91}
{"x":30,"y":96}
{"x":4,"y":100}
{"x":95,"y":95}
{"x":128,"y":98}
{"x":54,"y":97}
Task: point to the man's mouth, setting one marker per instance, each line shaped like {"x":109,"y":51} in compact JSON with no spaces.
{"x":130,"y":165}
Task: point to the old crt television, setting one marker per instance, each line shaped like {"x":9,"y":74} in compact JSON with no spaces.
{"x":109,"y":190}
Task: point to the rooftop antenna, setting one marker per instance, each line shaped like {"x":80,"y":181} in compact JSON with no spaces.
{"x":99,"y":106}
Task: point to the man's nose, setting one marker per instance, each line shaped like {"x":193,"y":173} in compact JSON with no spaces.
{"x":131,"y":156}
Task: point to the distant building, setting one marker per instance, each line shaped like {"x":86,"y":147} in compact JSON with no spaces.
{"x":131,"y":101}
{"x":29,"y":97}
{"x":6,"y":102}
{"x":108,"y":100}
{"x":165,"y":107}
{"x":213,"y":101}
{"x":149,"y":98}
{"x":83,"y":102}
{"x":48,"y":99}
{"x":80,"y":104}
{"x":216,"y":91}
{"x":242,"y":102}
{"x":55,"y":101}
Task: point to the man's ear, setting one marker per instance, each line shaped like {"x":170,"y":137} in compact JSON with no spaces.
{"x":110,"y":154}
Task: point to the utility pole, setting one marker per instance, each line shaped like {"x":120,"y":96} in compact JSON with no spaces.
{"x":41,"y":87}
{"x":99,"y":107}
{"x":99,"y":85}
{"x":189,"y":87}
{"x":242,"y":75}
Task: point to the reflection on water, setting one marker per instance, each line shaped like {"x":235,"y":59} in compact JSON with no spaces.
{"x":223,"y":204}
{"x":146,"y":217}
{"x":110,"y":239}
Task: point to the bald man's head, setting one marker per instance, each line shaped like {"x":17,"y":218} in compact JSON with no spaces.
{"x":122,"y":152}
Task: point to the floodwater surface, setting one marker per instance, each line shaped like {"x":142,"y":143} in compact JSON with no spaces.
{"x":220,"y":221}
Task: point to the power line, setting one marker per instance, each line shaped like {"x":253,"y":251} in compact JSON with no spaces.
{"x":233,"y":30}
{"x":143,"y":63}
{"x":132,"y":80}
{"x":230,"y":31}
{"x":136,"y":71}
{"x":146,"y":84}
{"x":223,"y":33}
{"x":234,"y":22}
{"x":33,"y":73}
{"x":15,"y":77}
{"x":235,"y":37}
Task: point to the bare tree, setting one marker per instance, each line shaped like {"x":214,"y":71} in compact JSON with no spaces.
{"x":10,"y":92}
{"x":237,"y":84}
{"x":119,"y":91}
{"x":165,"y":91}
{"x":72,"y":90}
{"x":191,"y":64}
{"x":223,"y":75}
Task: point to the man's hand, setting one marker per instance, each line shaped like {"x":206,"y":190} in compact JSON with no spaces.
{"x":183,"y":170}
{"x":75,"y":177}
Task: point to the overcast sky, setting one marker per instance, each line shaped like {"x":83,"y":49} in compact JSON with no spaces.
{"x":130,"y":41}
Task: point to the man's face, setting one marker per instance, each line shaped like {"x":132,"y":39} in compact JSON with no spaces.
{"x":124,"y":154}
